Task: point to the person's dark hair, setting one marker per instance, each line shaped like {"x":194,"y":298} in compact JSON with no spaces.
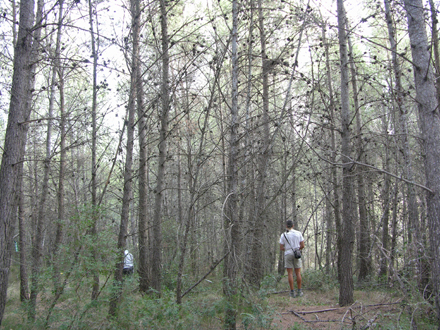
{"x":289,"y":223}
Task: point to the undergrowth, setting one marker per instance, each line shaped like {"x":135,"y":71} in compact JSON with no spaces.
{"x":203,"y":308}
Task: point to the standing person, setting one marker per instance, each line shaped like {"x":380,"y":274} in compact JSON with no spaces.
{"x":128,"y":263}
{"x":291,"y":241}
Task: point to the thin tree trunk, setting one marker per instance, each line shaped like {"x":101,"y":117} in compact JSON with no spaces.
{"x":329,"y":230}
{"x":60,"y":193}
{"x":14,"y":26}
{"x":93,"y":229}
{"x":143,"y":265}
{"x":413,"y":213}
{"x":230,"y":204}
{"x":247,"y":181}
{"x":365,"y":265}
{"x":157,"y":234}
{"x":37,"y":246}
{"x":385,"y":197}
{"x":257,"y":224}
{"x":434,"y":38}
{"x":334,"y":173}
{"x":347,"y":233}
{"x":403,"y":128}
{"x":280,"y":224}
{"x":24,"y":283}
{"x":128,"y":169}
{"x":429,"y":122}
{"x":187,"y":221}
{"x":193,"y":178}
{"x":395,"y":232}
{"x":56,"y":81}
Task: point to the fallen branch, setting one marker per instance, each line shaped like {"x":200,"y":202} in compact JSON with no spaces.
{"x":312,"y":312}
{"x":310,"y":321}
{"x":334,"y":309}
{"x":296,"y":314}
{"x":348,"y":310}
{"x":385,"y":304}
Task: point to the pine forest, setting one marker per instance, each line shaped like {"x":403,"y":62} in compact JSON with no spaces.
{"x":183,"y":135}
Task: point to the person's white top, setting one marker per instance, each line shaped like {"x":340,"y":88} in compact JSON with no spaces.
{"x":294,"y":237}
{"x":128,"y":259}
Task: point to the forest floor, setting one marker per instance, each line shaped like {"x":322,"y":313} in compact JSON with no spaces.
{"x":372,"y":309}
{"x":375,"y":307}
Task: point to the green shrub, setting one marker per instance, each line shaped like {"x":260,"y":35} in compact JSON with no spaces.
{"x":318,"y":280}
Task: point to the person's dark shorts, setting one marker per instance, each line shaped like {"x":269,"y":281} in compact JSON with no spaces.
{"x":127,"y":271}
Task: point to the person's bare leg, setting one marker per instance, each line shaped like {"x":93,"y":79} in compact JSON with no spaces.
{"x":290,"y":277}
{"x":298,"y":278}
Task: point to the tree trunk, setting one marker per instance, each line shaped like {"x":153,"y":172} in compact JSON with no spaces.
{"x":334,"y":173}
{"x":434,"y":38}
{"x":347,"y":233}
{"x":93,"y":229}
{"x":385,"y":197}
{"x":257,"y":224}
{"x":232,"y":230}
{"x":37,"y":250}
{"x":365,"y":265}
{"x":128,"y":169}
{"x":60,"y":193}
{"x":37,"y":246}
{"x":143,"y":265}
{"x":193,"y":178}
{"x":247,"y":181}
{"x":157,"y":234}
{"x":394,"y":235}
{"x":24,"y":283}
{"x":15,"y":140}
{"x":413,"y":214}
{"x":429,"y":122}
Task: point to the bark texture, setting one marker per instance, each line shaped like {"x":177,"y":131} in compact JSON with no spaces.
{"x":347,"y":229}
{"x":143,"y":265}
{"x":128,"y":170}
{"x":93,"y":229}
{"x":232,"y":227}
{"x":429,"y":122}
{"x":157,"y":231}
{"x":258,"y":228}
{"x":15,"y":140}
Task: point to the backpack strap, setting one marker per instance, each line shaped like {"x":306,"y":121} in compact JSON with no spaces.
{"x":288,"y":242}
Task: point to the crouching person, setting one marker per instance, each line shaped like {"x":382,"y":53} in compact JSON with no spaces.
{"x":128,"y":263}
